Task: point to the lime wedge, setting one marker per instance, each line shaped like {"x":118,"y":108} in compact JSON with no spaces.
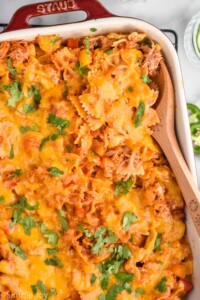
{"x":198,"y":38}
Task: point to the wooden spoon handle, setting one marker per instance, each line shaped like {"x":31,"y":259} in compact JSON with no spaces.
{"x":184,"y":177}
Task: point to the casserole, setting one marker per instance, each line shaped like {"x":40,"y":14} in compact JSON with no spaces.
{"x":120,"y":24}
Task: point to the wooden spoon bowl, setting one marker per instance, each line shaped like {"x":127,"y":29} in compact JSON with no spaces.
{"x":164,"y":134}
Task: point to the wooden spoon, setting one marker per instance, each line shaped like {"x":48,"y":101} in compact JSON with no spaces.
{"x":164,"y":134}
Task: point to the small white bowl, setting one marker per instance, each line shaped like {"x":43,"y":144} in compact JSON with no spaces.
{"x":196,"y":26}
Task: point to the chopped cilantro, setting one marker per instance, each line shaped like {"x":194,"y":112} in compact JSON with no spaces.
{"x":139,"y":291}
{"x":52,"y":250}
{"x":131,"y":238}
{"x":102,"y":297}
{"x":25,"y":129}
{"x":27,"y":222}
{"x":24,"y":204}
{"x":69,"y":148}
{"x":56,"y":134}
{"x":16,"y":218}
{"x":29,"y":108}
{"x":11,"y":69}
{"x":113,"y":291}
{"x":128,"y":219}
{"x":34,"y":289}
{"x":157,"y":245}
{"x":43,"y":142}
{"x":17,"y":173}
{"x":55,"y":172}
{"x":169,"y":244}
{"x":146,"y":41}
{"x":93,"y":29}
{"x":82,"y":70}
{"x":122,"y":252}
{"x":101,"y":240}
{"x":18,"y":251}
{"x":43,"y":290}
{"x":54,"y":261}
{"x":16,"y":94}
{"x":52,"y":292}
{"x":93,"y":279}
{"x":123,"y":187}
{"x":87,"y":45}
{"x":12,"y":154}
{"x":86,"y":231}
{"x":62,"y":219}
{"x":161,"y":286}
{"x":104,"y":279}
{"x":35,"y":93}
{"x":109,"y":51}
{"x":124,"y":277}
{"x":139,"y":114}
{"x":51,"y":236}
{"x":65,"y":93}
{"x":58,"y":122}
{"x":53,"y":41}
{"x":2,"y":199}
{"x":145,"y":78}
{"x":130,"y":88}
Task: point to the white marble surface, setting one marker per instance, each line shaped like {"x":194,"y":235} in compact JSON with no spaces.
{"x":162,"y":13}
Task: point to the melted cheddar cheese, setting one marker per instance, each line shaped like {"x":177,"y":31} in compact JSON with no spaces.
{"x":90,"y":208}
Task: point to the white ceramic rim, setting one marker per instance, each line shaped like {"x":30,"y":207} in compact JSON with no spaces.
{"x":124,"y":24}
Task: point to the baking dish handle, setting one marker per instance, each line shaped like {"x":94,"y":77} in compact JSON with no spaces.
{"x":20,"y":20}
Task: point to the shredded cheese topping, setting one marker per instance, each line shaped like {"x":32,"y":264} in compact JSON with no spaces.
{"x":90,"y":208}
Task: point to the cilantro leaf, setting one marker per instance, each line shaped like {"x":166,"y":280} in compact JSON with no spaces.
{"x":128,"y":219}
{"x":12,"y":154}
{"x":29,"y":108}
{"x":54,"y":261}
{"x":87,"y":45}
{"x":16,"y":94}
{"x":35,"y":93}
{"x":130,"y":88}
{"x":18,"y":251}
{"x":2,"y":199}
{"x":52,"y":250}
{"x":104,"y":282}
{"x":101,"y":240}
{"x":109,"y":51}
{"x":65,"y":93}
{"x":139,"y":291}
{"x":122,"y":252}
{"x":56,"y":134}
{"x":52,"y":292}
{"x":27,"y":222}
{"x":113,"y":291}
{"x":34,"y":289}
{"x":58,"y":122}
{"x":82,"y":70}
{"x":139,"y":114}
{"x":69,"y":148}
{"x":25,"y":129}
{"x":93,"y":279}
{"x":93,"y":29}
{"x":102,"y":297}
{"x":62,"y":219}
{"x":55,"y":172}
{"x":86,"y":231}
{"x":161,"y":286}
{"x":123,"y":187}
{"x":51,"y":236}
{"x":22,"y":204}
{"x":43,"y":142}
{"x":16,"y":218}
{"x":11,"y":69}
{"x":17,"y":173}
{"x":146,"y":41}
{"x":124,"y":277}
{"x":43,"y":290}
{"x":157,"y":245}
{"x":145,"y":78}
